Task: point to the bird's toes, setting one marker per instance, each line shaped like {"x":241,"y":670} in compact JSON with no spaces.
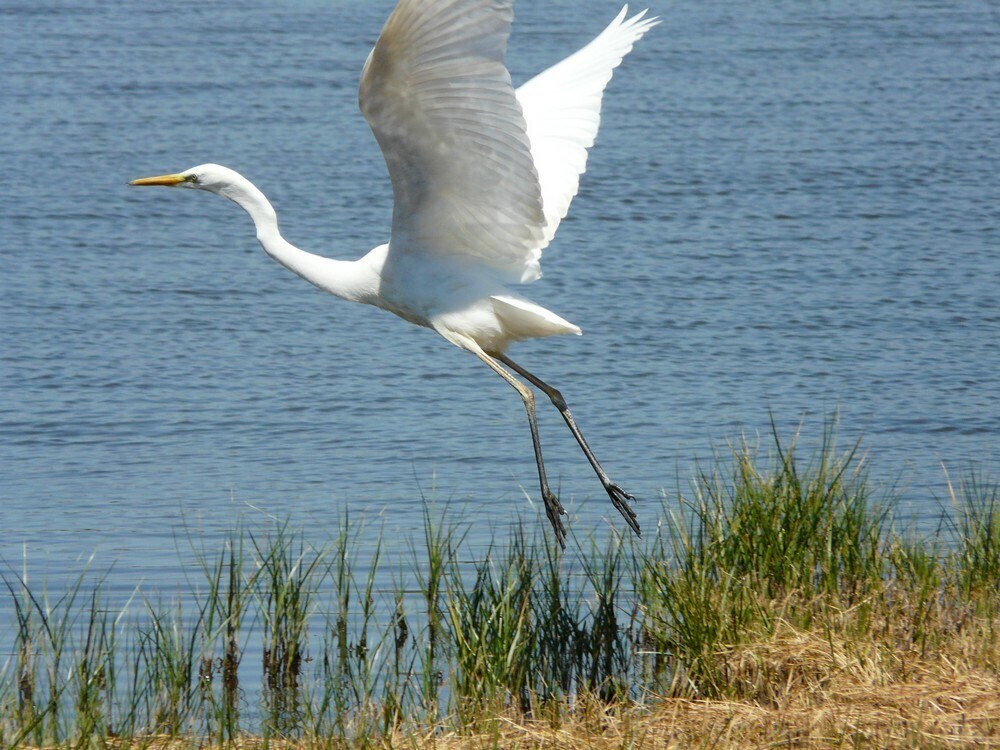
{"x":555,"y":511}
{"x":615,"y":491}
{"x":621,"y":499}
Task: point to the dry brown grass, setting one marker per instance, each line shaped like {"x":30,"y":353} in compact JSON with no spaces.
{"x":811,"y":692}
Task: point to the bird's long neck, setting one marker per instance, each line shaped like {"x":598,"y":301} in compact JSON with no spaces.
{"x":348,"y":279}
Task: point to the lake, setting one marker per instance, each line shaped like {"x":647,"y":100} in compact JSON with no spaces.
{"x":791,"y":213}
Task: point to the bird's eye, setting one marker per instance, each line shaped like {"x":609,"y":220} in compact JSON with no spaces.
{"x":191,"y":178}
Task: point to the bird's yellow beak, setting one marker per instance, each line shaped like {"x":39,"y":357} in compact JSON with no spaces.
{"x":169,"y":180}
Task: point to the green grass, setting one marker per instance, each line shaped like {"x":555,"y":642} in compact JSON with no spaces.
{"x":773,"y":577}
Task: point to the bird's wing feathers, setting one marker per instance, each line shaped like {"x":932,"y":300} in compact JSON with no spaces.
{"x":562,"y":109}
{"x":478,"y":171}
{"x":440,"y":102}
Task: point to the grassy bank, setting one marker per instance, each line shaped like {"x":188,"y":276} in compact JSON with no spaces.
{"x":775,"y":604}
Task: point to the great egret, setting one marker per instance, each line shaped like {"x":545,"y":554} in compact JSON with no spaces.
{"x":481,"y":177}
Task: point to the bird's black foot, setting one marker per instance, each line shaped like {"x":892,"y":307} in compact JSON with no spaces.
{"x":620,"y":498}
{"x":555,"y":511}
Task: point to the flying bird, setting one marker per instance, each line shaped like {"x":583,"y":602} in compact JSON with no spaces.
{"x":482,"y":174}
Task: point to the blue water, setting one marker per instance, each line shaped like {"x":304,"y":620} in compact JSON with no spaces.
{"x":791,"y":211}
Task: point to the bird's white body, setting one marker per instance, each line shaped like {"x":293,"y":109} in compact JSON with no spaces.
{"x":447,"y":294}
{"x":482,"y":175}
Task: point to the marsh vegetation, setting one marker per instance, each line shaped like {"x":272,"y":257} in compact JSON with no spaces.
{"x":776,"y":601}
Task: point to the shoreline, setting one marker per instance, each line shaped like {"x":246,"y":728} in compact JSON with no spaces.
{"x":775,"y":605}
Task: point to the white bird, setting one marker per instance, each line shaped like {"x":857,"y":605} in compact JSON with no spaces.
{"x":481,"y":173}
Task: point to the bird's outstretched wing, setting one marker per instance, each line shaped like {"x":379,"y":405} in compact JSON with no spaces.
{"x":440,"y":102}
{"x":562,"y":110}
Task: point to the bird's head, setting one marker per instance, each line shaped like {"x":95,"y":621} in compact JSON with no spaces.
{"x":221,"y":180}
{"x":212,"y":177}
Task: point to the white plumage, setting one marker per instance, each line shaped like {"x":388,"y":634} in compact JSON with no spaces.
{"x":481,"y":174}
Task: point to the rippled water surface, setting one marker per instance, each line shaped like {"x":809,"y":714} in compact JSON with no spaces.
{"x":792,"y":209}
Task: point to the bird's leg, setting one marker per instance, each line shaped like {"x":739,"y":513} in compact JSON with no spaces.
{"x":619,"y":497}
{"x":553,"y":508}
